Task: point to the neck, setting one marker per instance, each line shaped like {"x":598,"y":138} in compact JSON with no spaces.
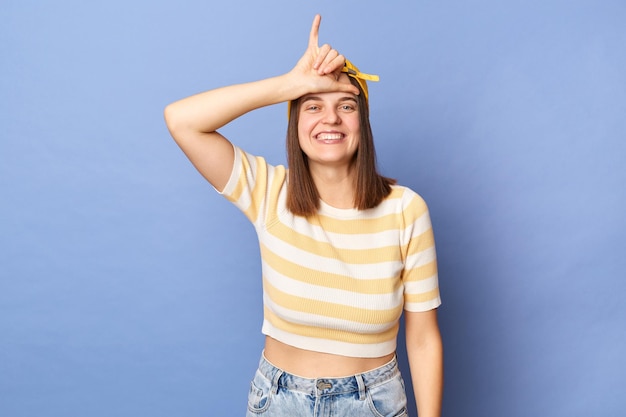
{"x":335,"y":186}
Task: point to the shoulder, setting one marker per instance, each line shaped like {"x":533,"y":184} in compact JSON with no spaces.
{"x":251,"y":171}
{"x":253,"y":162}
{"x":406,"y":197}
{"x":408,"y":204}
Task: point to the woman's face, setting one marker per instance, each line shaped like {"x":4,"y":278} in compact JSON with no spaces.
{"x":328,"y":127}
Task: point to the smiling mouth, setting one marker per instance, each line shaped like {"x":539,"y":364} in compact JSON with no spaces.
{"x":329,"y":137}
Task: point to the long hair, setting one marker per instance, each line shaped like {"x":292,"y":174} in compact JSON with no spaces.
{"x":370,"y":187}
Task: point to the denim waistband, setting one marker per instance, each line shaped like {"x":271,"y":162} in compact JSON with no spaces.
{"x":328,"y":386}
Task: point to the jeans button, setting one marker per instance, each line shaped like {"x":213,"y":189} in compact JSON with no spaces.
{"x":322,"y":385}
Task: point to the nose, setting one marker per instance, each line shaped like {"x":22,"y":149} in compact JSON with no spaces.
{"x":331,"y":116}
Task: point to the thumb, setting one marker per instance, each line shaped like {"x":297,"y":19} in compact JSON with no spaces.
{"x":339,"y":87}
{"x":343,"y":83}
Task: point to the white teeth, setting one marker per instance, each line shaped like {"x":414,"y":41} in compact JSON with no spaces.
{"x":329,"y":136}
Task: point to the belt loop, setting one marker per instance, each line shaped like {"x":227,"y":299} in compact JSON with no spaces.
{"x":361,"y":384}
{"x":275,"y":379}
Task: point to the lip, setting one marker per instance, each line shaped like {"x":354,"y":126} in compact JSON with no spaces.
{"x":329,"y":136}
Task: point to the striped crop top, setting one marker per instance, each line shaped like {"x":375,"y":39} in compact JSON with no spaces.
{"x":336,"y":282}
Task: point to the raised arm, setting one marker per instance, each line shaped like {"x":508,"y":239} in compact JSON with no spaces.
{"x":193,"y":122}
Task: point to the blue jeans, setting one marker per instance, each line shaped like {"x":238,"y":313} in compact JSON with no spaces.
{"x":376,"y":393}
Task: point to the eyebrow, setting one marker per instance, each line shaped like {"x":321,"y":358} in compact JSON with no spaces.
{"x":317,"y":98}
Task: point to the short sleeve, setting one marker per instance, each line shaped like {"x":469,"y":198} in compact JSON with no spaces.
{"x":420,"y":276}
{"x":254,"y":186}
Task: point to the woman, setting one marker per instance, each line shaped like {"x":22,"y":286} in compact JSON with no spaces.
{"x":344,"y":250}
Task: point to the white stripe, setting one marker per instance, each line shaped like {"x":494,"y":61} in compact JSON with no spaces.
{"x":351,"y":242}
{"x":233,"y":180}
{"x":421,"y":225}
{"x":247,"y":180}
{"x":344,"y":241}
{"x":343,"y":297}
{"x":422,"y":286}
{"x":386,"y":207}
{"x":362,"y":240}
{"x":244,"y":201}
{"x":421,"y":258}
{"x":425,"y":306}
{"x":332,"y":266}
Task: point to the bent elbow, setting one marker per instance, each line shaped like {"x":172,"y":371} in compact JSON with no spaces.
{"x":176,"y":124}
{"x":170,"y":116}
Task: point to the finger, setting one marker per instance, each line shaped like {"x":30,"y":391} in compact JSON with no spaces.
{"x":320,"y":58}
{"x":315,"y":31}
{"x":346,"y":88}
{"x":330,"y":62}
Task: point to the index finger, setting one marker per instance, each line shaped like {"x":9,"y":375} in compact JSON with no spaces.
{"x":315,"y":30}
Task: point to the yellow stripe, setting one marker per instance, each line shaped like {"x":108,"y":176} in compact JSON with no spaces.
{"x":396,"y":192}
{"x":242,"y":182}
{"x":416,"y":209}
{"x":326,"y":279}
{"x":421,"y":272}
{"x":328,"y":309}
{"x":277,"y":182}
{"x":330,"y":334}
{"x":257,"y":193}
{"x":239,"y":187}
{"x":422,"y":297}
{"x":421,"y":242}
{"x":327,"y":250}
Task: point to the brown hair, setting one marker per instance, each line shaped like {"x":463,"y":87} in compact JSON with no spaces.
{"x":370,"y":187}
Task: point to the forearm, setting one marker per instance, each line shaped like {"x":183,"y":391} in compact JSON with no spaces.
{"x":425,"y":353}
{"x":426,"y":364}
{"x":207,"y":112}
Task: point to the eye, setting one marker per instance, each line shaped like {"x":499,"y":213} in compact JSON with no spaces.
{"x":347,"y":107}
{"x":312,"y":107}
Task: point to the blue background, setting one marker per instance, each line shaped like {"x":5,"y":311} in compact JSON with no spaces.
{"x":128,"y":287}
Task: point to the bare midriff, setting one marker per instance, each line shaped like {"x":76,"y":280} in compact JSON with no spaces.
{"x":309,"y":364}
